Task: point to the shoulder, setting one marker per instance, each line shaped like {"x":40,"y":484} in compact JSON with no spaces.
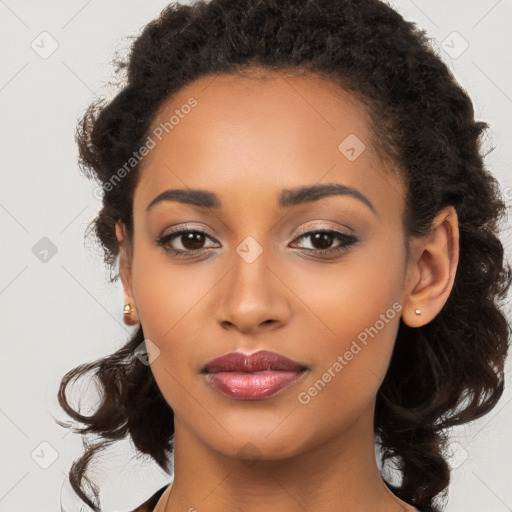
{"x":150,"y":503}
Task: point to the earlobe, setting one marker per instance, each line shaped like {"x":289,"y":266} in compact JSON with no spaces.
{"x":130,"y":316}
{"x":435,"y":260}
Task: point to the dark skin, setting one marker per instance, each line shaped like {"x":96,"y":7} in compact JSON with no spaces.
{"x":246,"y":141}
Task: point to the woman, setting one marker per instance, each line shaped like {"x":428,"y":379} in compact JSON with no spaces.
{"x":308,"y":242}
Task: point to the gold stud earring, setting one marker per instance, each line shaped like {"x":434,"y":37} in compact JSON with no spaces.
{"x":128,"y":310}
{"x":417,"y":311}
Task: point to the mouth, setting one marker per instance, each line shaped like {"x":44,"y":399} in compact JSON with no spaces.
{"x":252,"y":377}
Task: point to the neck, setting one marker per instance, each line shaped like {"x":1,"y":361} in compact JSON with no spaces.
{"x":341,"y":474}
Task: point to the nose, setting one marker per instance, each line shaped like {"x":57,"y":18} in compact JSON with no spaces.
{"x":253,"y":298}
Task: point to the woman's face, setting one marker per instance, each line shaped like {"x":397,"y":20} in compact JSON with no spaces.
{"x":257,"y":270}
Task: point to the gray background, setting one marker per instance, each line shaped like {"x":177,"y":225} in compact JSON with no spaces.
{"x":58,"y":310}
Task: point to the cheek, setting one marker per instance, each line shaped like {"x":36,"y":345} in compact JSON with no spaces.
{"x":170,"y":301}
{"x":352,"y":320}
{"x":345,"y":298}
{"x":351,"y":358}
{"x":167,"y":294}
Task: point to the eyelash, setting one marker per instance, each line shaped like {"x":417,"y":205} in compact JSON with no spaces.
{"x":163,"y":242}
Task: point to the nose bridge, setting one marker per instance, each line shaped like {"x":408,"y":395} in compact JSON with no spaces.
{"x":253,"y":295}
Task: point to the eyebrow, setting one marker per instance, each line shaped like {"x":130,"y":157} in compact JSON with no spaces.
{"x":287,"y":199}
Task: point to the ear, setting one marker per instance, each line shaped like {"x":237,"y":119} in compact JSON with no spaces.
{"x":125,"y":273}
{"x":431,"y":269}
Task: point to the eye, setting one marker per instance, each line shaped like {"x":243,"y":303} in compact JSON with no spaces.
{"x":187,"y":242}
{"x":184,"y":242}
{"x":322,"y":240}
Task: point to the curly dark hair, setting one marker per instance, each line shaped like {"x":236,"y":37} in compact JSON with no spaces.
{"x":445,"y":373}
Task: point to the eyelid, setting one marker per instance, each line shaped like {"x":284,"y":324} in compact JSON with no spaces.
{"x":187,"y":227}
{"x":345,"y":230}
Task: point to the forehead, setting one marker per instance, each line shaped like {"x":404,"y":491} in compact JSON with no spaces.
{"x":262,"y":132}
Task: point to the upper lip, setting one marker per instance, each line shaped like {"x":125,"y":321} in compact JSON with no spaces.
{"x":259,"y":361}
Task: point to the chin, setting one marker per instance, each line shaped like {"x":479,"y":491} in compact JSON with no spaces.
{"x":260,"y":446}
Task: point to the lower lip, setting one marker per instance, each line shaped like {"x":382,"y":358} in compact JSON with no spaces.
{"x":252,"y":386}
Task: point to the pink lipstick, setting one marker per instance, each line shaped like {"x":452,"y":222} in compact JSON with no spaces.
{"x":252,"y":377}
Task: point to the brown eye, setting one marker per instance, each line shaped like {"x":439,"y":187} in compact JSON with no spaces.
{"x":327,"y":241}
{"x":192,"y":240}
{"x":184,"y":242}
{"x":322,"y":240}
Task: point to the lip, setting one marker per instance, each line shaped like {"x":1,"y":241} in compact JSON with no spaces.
{"x":252,"y":377}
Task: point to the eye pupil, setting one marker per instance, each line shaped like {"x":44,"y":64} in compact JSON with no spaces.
{"x":192,"y":240}
{"x":324,"y":239}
